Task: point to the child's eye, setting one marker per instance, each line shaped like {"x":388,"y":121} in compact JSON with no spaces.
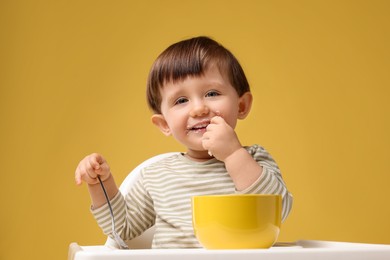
{"x":212,"y":93}
{"x":181,"y":100}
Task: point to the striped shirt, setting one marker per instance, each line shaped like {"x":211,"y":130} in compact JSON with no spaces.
{"x":162,"y":197}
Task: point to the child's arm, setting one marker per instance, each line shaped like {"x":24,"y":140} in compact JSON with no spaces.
{"x":222,"y":141}
{"x":88,"y":169}
{"x":245,"y":171}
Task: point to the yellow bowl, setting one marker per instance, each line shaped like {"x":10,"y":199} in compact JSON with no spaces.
{"x":237,"y":221}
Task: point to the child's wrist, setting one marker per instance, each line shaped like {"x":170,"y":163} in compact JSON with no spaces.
{"x":235,"y":155}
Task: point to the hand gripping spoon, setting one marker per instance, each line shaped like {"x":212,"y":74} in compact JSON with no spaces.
{"x":117,"y":238}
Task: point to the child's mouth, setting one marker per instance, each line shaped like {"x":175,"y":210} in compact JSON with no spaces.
{"x":198,"y":128}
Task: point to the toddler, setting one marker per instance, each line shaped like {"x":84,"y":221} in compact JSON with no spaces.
{"x":197,"y":91}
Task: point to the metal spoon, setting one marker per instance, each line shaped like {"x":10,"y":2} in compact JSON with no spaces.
{"x":117,"y":238}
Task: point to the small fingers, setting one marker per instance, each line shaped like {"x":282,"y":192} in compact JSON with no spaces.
{"x":89,"y":168}
{"x":217,"y":120}
{"x":86,"y":170}
{"x":206,"y":142}
{"x":96,"y":160}
{"x":207,"y":146}
{"x":77,"y":175}
{"x":77,"y":178}
{"x":86,"y":175}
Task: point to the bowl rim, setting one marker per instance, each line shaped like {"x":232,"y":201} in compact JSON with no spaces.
{"x":236,"y":195}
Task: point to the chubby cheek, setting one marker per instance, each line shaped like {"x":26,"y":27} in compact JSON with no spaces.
{"x":177,"y":125}
{"x":230,"y":118}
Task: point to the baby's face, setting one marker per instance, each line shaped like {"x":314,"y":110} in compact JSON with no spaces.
{"x":187,"y":106}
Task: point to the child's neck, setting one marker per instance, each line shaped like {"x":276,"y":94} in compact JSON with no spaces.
{"x":198,"y":156}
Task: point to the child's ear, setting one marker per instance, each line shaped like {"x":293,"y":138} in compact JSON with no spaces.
{"x":244,"y":105}
{"x":159,"y":121}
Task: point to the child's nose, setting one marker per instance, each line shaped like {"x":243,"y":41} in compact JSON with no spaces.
{"x":199,"y":109}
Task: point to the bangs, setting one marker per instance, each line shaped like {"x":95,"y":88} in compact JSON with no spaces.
{"x":188,"y":59}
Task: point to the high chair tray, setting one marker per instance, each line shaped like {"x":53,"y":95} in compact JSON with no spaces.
{"x":302,"y":250}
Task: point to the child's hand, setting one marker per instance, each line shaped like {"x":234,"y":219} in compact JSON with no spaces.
{"x":90,"y":167}
{"x":220,"y":139}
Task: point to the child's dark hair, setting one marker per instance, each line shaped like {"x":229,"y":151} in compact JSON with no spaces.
{"x":191,"y":58}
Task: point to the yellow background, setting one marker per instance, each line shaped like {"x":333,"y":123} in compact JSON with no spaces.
{"x":73,"y":75}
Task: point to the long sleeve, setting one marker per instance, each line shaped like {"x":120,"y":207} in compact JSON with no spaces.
{"x":133,"y":215}
{"x":270,"y":181}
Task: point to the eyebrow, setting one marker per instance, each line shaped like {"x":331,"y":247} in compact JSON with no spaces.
{"x":172,"y":96}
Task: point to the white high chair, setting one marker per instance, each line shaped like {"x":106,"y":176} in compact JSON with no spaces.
{"x":143,"y":241}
